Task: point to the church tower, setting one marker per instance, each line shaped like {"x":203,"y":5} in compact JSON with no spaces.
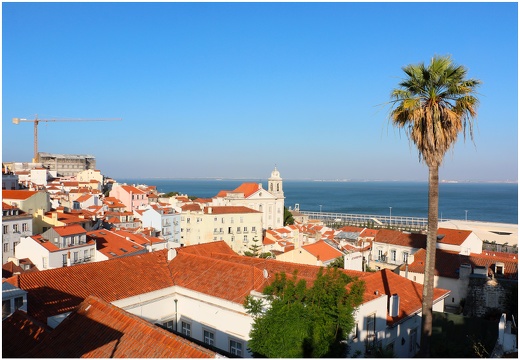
{"x":275,"y":184}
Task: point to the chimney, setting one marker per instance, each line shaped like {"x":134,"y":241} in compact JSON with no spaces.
{"x":172,"y":253}
{"x":393,"y":306}
{"x":210,"y":210}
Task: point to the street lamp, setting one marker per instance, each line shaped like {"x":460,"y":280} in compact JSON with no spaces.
{"x":390,"y":215}
{"x":320,"y":211}
{"x":466,"y":214}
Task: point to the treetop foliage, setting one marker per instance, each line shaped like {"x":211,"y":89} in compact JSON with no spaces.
{"x":303,"y":320}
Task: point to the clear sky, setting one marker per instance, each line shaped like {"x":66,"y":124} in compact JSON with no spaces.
{"x":233,"y":89}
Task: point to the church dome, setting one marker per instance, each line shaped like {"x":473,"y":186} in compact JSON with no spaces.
{"x":275,"y":174}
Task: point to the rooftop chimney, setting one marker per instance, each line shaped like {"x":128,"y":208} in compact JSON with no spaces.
{"x":393,"y":306}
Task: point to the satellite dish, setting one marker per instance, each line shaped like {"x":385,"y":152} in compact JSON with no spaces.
{"x":266,"y":274}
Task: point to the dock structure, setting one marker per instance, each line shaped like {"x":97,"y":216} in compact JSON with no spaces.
{"x":365,"y":220}
{"x":502,"y":234}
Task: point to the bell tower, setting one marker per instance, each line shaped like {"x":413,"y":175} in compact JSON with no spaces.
{"x":275,"y":184}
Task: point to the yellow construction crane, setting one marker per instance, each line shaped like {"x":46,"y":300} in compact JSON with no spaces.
{"x":36,"y":121}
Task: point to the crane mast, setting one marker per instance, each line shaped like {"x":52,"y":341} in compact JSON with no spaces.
{"x":36,"y":121}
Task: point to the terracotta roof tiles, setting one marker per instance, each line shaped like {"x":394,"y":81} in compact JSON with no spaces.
{"x":102,"y":330}
{"x":322,"y":251}
{"x":58,"y":291}
{"x":17,"y":194}
{"x":20,"y":333}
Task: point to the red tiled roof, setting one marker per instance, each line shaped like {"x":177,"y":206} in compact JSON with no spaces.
{"x":17,"y":194}
{"x":235,"y":281}
{"x":191,"y":207}
{"x":112,"y":245}
{"x":20,"y":333}
{"x":389,"y":283}
{"x":394,"y":237}
{"x":218,"y":210}
{"x":58,"y":291}
{"x":139,"y":238}
{"x":268,"y":241}
{"x":322,"y":251}
{"x":447,"y":263}
{"x":369,"y":233}
{"x":7,"y":206}
{"x":452,"y":236}
{"x":83,"y":198}
{"x":351,"y":229}
{"x":97,"y":329}
{"x":132,"y":189}
{"x":69,"y":230}
{"x":247,"y":189}
{"x":219,"y":247}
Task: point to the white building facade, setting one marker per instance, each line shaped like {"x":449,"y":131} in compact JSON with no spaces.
{"x":15,"y":225}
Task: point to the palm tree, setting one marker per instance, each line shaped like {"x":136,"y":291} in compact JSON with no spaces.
{"x":433,"y":104}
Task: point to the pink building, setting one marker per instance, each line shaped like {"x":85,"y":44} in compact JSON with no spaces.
{"x":131,"y":196}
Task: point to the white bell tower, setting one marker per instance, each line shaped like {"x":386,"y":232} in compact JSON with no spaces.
{"x":275,"y":184}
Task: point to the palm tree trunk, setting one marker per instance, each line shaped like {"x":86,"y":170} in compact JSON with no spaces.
{"x":429,"y":268}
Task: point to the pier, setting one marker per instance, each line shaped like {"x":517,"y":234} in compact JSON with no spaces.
{"x":397,"y":222}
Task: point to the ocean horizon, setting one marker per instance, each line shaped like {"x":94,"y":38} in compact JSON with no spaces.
{"x":458,"y":200}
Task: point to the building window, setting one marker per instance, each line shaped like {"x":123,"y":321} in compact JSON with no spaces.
{"x":413,"y":341}
{"x":64,"y":256}
{"x":44,"y":262}
{"x":18,"y":302}
{"x":209,"y":337}
{"x":253,"y":229}
{"x":355,"y":334}
{"x":5,"y":229}
{"x":371,"y":329}
{"x":16,"y":227}
{"x":235,"y":347}
{"x":393,"y":255}
{"x":6,"y":308}
{"x":75,"y":256}
{"x":499,"y":269}
{"x":25,"y":227}
{"x":380,"y":255}
{"x":405,"y":257}
{"x":245,"y":238}
{"x":245,"y":229}
{"x":168,"y":324}
{"x":186,"y":328}
{"x":6,"y":247}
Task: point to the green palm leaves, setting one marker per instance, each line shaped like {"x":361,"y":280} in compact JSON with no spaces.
{"x":433,"y":104}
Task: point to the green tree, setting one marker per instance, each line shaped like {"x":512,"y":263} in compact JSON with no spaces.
{"x":287,"y":217}
{"x":303,"y":321}
{"x":254,"y":249}
{"x":433,"y":104}
{"x":337,"y":263}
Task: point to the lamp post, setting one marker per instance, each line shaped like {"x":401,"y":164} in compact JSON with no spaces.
{"x":320,"y":212}
{"x":390,"y":215}
{"x":466,"y":214}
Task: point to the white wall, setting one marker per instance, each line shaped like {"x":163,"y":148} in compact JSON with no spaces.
{"x":202,"y":312}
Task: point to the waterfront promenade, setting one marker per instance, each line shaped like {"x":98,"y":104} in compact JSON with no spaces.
{"x":499,"y":233}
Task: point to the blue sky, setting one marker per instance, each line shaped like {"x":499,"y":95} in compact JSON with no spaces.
{"x":233,"y":89}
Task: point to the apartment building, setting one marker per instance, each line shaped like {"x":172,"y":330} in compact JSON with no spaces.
{"x":57,"y":247}
{"x":15,"y":224}
{"x":236,"y":225}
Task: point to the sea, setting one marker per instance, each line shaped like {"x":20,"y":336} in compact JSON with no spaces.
{"x":472,"y":201}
